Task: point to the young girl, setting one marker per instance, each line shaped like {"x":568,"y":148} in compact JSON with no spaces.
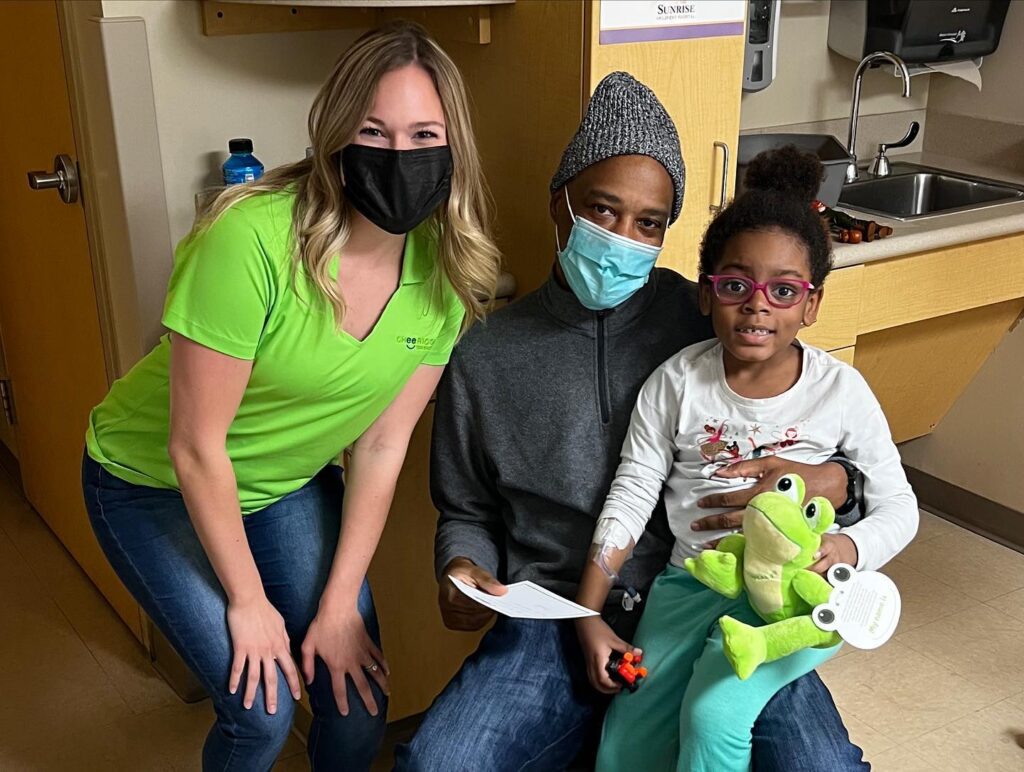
{"x":755,"y":390}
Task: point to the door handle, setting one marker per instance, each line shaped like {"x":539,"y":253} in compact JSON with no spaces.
{"x":716,"y":208}
{"x":64,"y":178}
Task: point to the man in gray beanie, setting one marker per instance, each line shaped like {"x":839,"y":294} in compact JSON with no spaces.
{"x":624,"y":117}
{"x":530,"y":418}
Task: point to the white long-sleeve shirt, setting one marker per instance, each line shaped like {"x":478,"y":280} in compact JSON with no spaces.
{"x":688,"y":423}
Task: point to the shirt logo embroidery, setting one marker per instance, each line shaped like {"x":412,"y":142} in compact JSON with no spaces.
{"x":416,"y":344}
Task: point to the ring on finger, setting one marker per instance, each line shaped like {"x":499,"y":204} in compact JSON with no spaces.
{"x":371,"y":668}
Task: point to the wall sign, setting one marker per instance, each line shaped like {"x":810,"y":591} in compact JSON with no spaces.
{"x":641,"y":21}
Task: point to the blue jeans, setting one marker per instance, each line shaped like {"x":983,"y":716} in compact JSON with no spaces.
{"x":522,"y":702}
{"x":149,"y":540}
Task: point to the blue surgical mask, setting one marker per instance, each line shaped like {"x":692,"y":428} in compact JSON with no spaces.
{"x":602,"y":268}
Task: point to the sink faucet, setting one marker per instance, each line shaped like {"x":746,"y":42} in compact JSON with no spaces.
{"x":880,"y":166}
{"x":858,"y":76}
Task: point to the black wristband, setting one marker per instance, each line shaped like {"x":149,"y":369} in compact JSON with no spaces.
{"x":853,"y":508}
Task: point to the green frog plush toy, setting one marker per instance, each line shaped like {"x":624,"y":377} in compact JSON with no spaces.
{"x":769,"y":560}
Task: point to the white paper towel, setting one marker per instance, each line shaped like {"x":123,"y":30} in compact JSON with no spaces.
{"x":968,"y":69}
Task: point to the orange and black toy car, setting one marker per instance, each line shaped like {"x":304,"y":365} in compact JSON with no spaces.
{"x":626,"y":669}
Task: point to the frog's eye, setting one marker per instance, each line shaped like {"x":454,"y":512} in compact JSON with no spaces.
{"x":787,"y":487}
{"x":812,"y":514}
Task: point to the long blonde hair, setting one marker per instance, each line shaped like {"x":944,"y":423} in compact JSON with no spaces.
{"x":467,"y":254}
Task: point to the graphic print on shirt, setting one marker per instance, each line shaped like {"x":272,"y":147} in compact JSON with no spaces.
{"x":723,"y":443}
{"x":713,"y":445}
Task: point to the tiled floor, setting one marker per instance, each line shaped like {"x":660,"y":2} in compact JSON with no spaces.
{"x":946,"y":694}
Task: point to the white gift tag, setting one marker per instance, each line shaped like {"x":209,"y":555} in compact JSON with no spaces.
{"x":864,"y":607}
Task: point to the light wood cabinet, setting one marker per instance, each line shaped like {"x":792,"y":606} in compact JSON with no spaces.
{"x":917,"y":330}
{"x":926,"y":327}
{"x":839,"y":315}
{"x":700,"y":83}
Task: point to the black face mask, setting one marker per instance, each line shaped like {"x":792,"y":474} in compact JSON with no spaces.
{"x":396,"y":190}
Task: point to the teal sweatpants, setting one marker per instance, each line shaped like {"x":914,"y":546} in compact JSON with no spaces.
{"x":692,"y":713}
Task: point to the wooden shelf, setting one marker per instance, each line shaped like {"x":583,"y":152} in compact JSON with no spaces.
{"x":466,"y":21}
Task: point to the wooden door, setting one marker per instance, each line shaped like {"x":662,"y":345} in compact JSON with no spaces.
{"x":48,"y":309}
{"x":700,"y":83}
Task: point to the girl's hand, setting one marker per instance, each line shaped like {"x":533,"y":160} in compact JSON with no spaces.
{"x":340,"y":639}
{"x":835,"y":548}
{"x":598,"y":641}
{"x":259,"y":639}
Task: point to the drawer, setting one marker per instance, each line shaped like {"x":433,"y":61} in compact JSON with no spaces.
{"x":910,"y":289}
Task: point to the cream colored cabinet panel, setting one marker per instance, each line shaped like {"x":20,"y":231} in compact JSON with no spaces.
{"x":922,"y":286}
{"x":839,"y":314}
{"x":844,"y":354}
{"x":918,"y":370}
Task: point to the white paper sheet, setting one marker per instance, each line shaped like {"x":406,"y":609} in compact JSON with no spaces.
{"x":965,"y":70}
{"x":526,"y":600}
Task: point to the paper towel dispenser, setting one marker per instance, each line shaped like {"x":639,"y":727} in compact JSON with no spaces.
{"x":917,"y":31}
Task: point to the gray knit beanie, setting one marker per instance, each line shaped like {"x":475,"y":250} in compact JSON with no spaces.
{"x":624,"y":117}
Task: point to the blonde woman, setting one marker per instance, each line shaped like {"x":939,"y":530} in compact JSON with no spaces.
{"x":310,"y":311}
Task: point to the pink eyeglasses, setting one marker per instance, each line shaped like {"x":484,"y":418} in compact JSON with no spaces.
{"x":780,"y":293}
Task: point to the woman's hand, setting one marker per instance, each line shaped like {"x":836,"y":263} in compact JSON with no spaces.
{"x":259,"y":638}
{"x":835,"y":548}
{"x":598,"y":641}
{"x":340,"y":639}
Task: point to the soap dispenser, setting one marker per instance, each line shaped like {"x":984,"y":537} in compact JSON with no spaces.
{"x":761,"y":48}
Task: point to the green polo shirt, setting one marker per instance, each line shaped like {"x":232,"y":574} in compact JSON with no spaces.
{"x":314,"y":389}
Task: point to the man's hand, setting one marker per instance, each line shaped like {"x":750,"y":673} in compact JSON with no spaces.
{"x":835,"y":548}
{"x":458,"y":610}
{"x":828,"y":480}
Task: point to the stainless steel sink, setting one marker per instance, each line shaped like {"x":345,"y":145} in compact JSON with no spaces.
{"x":912,"y":191}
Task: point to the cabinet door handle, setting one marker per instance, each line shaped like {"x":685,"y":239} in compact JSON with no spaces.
{"x":716,"y":208}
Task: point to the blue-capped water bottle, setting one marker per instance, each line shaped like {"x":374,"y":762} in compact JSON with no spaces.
{"x":242,"y":166}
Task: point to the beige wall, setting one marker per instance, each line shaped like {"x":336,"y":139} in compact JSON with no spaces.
{"x":814,"y":83}
{"x":209,"y":89}
{"x":1002,"y":75}
{"x":979,"y":445}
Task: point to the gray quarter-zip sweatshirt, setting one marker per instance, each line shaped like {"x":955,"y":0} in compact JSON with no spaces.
{"x":529,"y":423}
